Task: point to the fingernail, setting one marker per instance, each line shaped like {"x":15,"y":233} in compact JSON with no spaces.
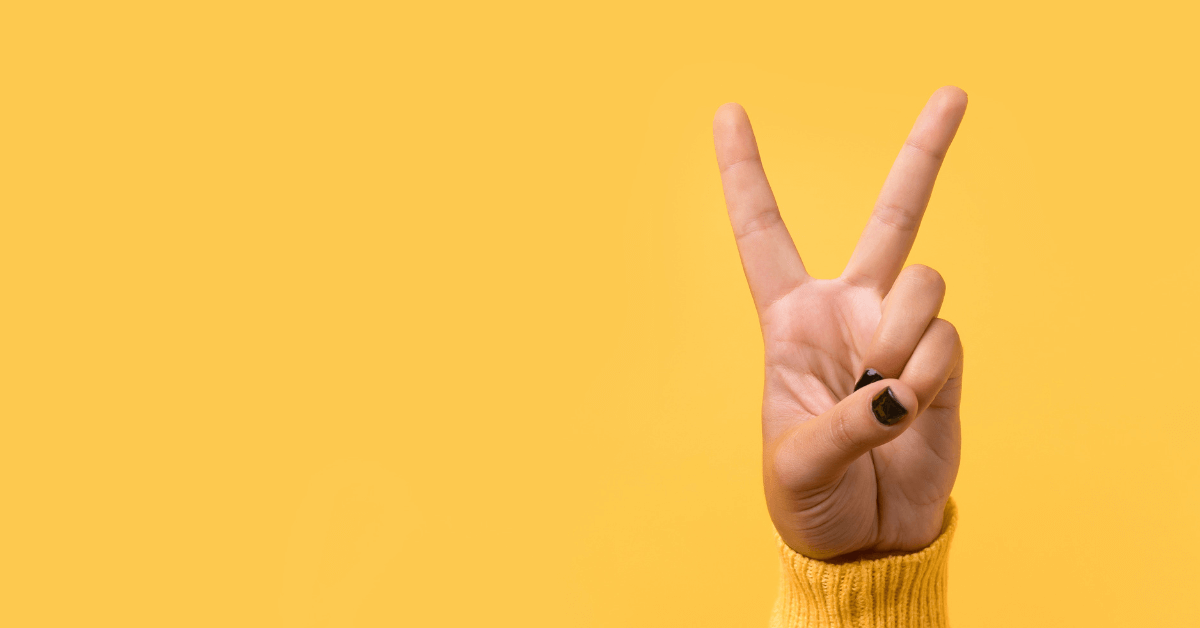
{"x":870,"y":376}
{"x":888,"y":410}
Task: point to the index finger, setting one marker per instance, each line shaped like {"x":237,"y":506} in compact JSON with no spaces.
{"x":769,"y":257}
{"x":892,"y":228}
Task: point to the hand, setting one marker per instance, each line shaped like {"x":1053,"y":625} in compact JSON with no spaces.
{"x":849,"y":471}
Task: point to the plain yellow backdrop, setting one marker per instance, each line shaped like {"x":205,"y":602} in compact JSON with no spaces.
{"x":398,"y":314}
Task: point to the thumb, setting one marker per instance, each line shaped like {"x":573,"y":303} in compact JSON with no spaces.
{"x":822,"y":448}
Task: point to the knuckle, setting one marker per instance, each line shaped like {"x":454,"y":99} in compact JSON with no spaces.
{"x":927,"y":277}
{"x":948,"y":336}
{"x":946,"y":329}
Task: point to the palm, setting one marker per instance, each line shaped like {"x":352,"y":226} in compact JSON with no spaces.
{"x":838,"y":484}
{"x":816,"y":338}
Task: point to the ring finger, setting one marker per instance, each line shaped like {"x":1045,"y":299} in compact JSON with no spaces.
{"x":911,"y":304}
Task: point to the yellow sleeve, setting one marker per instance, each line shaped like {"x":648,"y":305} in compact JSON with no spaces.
{"x":904,"y":591}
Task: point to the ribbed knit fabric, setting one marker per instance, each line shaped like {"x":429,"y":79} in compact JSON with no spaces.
{"x":905,"y":591}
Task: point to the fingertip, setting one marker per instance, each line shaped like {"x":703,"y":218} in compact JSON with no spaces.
{"x":729,"y":116}
{"x":926,"y":279}
{"x":730,"y":109}
{"x":733,"y":135}
{"x":893,"y":403}
{"x":954,"y":92}
{"x":950,"y":99}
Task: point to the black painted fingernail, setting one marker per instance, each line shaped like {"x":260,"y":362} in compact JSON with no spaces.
{"x":870,"y":376}
{"x":887,"y":407}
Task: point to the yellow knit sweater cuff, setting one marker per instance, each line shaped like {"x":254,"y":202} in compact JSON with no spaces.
{"x":905,"y":591}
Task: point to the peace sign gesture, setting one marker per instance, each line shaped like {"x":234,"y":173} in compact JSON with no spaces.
{"x":863,"y":380}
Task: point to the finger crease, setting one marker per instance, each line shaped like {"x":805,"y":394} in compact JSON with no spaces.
{"x":936,"y":155}
{"x":905,"y":223}
{"x":744,"y":160}
{"x":766,"y":219}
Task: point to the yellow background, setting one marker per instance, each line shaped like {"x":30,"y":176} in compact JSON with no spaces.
{"x":390,"y":314}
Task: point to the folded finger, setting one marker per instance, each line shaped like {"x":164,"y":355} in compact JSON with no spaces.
{"x":914,"y":301}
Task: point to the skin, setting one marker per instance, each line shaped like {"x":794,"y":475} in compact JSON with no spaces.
{"x":839,"y":484}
